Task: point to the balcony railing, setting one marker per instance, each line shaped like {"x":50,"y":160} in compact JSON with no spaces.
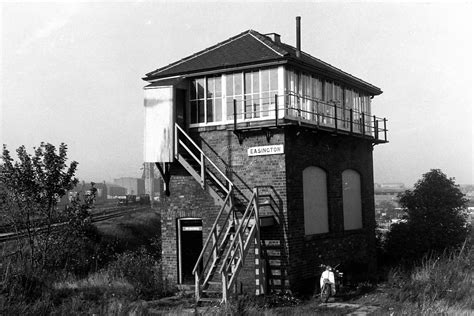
{"x":301,"y":110}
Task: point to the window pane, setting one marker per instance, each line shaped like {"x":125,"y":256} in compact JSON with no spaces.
{"x":229,"y":85}
{"x":230,"y":108}
{"x":317,"y":88}
{"x":265,"y":80}
{"x":248,"y":106}
{"x":273,"y":79}
{"x":201,"y":111}
{"x":337,"y":93}
{"x":218,"y":110}
{"x":200,"y":88}
{"x":238,"y":83}
{"x":328,"y":95}
{"x":256,"y":105}
{"x":194,"y":111}
{"x":256,"y":82}
{"x":193,"y":89}
{"x":210,"y":87}
{"x":210,"y":111}
{"x":248,"y":83}
{"x":307,"y":85}
{"x":218,"y":86}
{"x":266,"y":100}
{"x":240,"y":106}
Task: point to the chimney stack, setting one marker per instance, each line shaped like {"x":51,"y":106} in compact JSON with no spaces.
{"x":298,"y":36}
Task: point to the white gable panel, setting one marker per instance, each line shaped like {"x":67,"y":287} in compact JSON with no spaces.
{"x":159,"y":125}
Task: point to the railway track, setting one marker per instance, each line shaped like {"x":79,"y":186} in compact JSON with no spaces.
{"x":98,"y":215}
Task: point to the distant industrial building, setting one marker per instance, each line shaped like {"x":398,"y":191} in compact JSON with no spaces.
{"x":133,"y":186}
{"x":387,"y":192}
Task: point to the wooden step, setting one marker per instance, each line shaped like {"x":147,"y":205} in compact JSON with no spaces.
{"x":210,"y":299}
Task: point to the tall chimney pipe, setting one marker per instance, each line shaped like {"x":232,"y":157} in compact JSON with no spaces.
{"x":298,"y":36}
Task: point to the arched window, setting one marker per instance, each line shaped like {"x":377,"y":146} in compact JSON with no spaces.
{"x":352,"y":202}
{"x":315,"y":201}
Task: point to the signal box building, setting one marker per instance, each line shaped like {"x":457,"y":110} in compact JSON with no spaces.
{"x":266,"y":156}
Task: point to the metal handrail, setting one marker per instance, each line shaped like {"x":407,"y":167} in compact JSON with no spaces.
{"x":214,"y":226}
{"x":203,"y":156}
{"x":247,"y":214}
{"x":325,"y":113}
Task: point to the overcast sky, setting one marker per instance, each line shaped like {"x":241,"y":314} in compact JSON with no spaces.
{"x":71,"y":72}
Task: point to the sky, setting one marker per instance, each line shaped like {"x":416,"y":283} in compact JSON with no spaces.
{"x":71,"y":72}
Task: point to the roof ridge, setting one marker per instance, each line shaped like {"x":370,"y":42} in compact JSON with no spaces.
{"x":208,"y":49}
{"x":330,"y":66}
{"x":338,"y":69}
{"x":267,"y":41}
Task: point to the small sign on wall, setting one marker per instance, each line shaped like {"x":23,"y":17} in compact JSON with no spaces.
{"x":265,"y":150}
{"x":192,"y":228}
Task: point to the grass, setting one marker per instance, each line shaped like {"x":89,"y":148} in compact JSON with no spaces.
{"x":439,"y":284}
{"x":131,"y":285}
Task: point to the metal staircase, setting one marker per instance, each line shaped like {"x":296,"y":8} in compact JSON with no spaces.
{"x":235,"y":228}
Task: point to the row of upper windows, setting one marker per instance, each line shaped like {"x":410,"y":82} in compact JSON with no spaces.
{"x":316,"y":215}
{"x":315,"y":88}
{"x":212,"y":97}
{"x":253,"y":91}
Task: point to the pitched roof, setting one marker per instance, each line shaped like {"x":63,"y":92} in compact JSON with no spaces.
{"x":251,"y":47}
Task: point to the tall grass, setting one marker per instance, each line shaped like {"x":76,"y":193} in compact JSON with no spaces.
{"x":439,"y":284}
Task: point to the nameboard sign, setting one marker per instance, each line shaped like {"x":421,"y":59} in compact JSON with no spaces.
{"x":265,"y":150}
{"x":191,"y":228}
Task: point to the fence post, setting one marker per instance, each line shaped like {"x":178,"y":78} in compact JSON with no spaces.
{"x":351,"y":118}
{"x":176,"y":140}
{"x":235,"y":115}
{"x":385,"y":128}
{"x":363,"y":124}
{"x":276,"y":110}
{"x":197,"y":290}
{"x":376,"y":129}
{"x":203,"y":170}
{"x":224,"y":286}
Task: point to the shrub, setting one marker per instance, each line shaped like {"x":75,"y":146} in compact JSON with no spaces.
{"x":142,"y":270}
{"x":435,"y":219}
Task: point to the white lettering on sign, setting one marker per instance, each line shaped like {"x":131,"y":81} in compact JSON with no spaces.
{"x":191,"y":228}
{"x":265,"y":150}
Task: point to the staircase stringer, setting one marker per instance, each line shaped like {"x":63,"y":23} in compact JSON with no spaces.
{"x":217,"y":241}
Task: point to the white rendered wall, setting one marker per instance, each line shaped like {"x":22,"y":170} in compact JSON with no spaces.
{"x":159,"y":124}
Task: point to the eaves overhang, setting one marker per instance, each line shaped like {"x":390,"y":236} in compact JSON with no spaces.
{"x":221,"y":70}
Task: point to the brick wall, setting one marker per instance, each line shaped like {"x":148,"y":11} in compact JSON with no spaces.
{"x":187,"y":200}
{"x":246,"y":172}
{"x":290,"y":257}
{"x":354,"y":250}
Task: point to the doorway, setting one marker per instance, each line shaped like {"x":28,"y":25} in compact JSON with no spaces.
{"x":189,"y":247}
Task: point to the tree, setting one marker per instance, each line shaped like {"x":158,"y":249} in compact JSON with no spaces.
{"x":435,"y":218}
{"x":30,"y":190}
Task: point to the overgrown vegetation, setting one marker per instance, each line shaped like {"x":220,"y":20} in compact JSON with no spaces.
{"x":63,"y":265}
{"x":60,"y":264}
{"x":447,"y":278}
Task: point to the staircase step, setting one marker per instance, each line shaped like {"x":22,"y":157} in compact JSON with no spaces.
{"x":209,"y":299}
{"x":212,"y":291}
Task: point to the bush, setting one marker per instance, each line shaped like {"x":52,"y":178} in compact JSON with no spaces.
{"x":435,"y":219}
{"x":142,"y":270}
